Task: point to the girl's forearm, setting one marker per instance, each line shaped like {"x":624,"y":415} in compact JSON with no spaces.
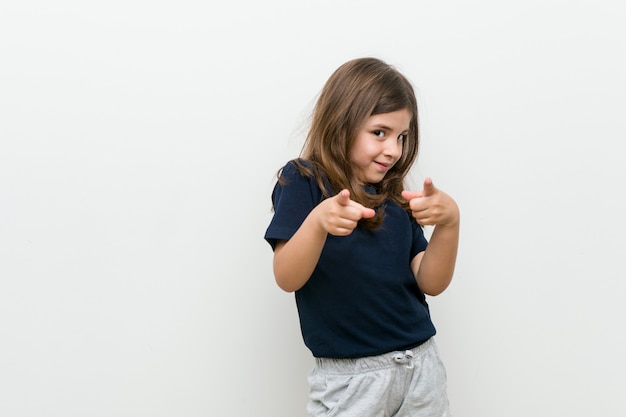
{"x":435,"y":271}
{"x":295,"y":259}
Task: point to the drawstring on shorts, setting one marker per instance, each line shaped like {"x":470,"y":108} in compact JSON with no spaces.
{"x":404,"y":358}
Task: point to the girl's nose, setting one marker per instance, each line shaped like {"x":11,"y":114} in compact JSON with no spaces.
{"x":393,"y":148}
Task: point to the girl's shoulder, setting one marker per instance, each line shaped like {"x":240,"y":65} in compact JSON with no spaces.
{"x":299,"y":165}
{"x":302,"y":171}
{"x":300,"y":168}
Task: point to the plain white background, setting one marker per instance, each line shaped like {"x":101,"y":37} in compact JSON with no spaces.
{"x":138,"y":146}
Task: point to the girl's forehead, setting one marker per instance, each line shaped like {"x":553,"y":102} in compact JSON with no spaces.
{"x":399,"y":118}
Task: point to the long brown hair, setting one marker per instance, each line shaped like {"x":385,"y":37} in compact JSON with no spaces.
{"x":357,"y":90}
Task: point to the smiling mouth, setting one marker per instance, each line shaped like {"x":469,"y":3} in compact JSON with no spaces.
{"x":383,"y":165}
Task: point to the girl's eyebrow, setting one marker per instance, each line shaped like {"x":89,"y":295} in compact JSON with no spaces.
{"x":385,"y":127}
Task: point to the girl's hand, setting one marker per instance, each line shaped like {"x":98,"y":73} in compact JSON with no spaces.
{"x":432,"y":206}
{"x":339,"y":215}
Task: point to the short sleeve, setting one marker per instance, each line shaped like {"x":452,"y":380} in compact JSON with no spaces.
{"x":293,"y":199}
{"x":419,"y":240}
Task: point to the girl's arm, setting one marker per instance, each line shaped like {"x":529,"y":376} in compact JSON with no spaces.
{"x":296,"y":258}
{"x":433,"y":268}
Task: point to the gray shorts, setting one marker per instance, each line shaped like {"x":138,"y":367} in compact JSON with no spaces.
{"x":408,"y":383}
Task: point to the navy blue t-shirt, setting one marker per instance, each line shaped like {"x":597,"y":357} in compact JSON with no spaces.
{"x":362,"y":298}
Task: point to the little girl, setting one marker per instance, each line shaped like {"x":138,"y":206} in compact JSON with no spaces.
{"x":348,"y":239}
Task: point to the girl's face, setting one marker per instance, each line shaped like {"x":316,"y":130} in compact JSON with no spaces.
{"x":378,"y":145}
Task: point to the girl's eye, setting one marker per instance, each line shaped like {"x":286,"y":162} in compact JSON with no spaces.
{"x":402,"y":137}
{"x":379,"y":133}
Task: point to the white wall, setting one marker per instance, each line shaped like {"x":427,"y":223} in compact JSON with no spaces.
{"x":138,"y":144}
